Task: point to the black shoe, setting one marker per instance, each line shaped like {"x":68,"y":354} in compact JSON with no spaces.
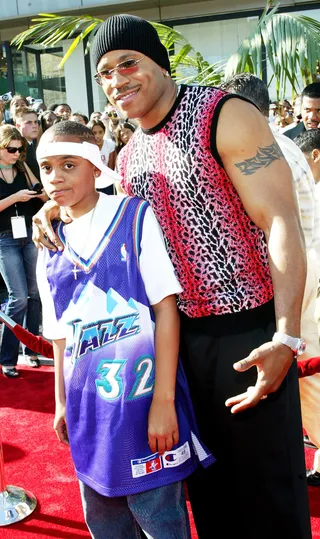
{"x":11,"y":373}
{"x":308,"y":443}
{"x":32,"y":361}
{"x":313,"y":478}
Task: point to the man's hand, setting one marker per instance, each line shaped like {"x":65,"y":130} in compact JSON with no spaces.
{"x":163,"y":430}
{"x":272,"y":361}
{"x":43,"y":234}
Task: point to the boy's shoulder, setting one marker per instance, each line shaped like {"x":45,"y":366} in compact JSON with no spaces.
{"x":116,"y":200}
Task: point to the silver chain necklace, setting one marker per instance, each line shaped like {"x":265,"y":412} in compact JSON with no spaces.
{"x":77,"y":264}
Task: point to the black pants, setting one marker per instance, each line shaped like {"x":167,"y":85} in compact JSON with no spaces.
{"x":257,"y":487}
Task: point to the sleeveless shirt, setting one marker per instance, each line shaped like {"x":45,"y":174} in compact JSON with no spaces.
{"x":28,"y":209}
{"x":109,"y":365}
{"x":219,"y":254}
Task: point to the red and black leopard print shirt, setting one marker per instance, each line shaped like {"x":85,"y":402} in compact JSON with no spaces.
{"x":219,"y":254}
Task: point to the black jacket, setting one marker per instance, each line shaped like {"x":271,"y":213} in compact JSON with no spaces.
{"x":31,"y":160}
{"x":295,"y":131}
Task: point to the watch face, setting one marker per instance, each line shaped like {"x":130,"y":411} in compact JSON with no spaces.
{"x":301,"y":347}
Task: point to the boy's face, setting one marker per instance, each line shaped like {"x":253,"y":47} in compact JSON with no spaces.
{"x":68,"y":179}
{"x":28,"y":126}
{"x":63,"y":110}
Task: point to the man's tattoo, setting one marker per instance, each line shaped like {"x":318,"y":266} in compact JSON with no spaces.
{"x":264,"y":158}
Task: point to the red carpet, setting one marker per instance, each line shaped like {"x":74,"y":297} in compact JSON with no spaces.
{"x":36,"y":461}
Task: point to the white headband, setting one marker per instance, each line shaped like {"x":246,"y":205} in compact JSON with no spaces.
{"x":85,"y":150}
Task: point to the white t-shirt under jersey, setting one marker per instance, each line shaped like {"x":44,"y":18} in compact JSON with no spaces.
{"x":155,"y":265}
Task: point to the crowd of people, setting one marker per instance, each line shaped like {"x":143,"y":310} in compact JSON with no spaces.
{"x":179,"y":308}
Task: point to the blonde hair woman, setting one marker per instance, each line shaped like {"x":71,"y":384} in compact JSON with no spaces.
{"x":20,"y":192}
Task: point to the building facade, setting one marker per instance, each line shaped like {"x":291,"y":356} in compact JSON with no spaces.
{"x":215,"y":28}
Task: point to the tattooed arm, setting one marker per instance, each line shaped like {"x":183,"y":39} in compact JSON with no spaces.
{"x":262,"y":178}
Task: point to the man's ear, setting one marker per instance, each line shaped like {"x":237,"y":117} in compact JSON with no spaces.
{"x":315,"y":155}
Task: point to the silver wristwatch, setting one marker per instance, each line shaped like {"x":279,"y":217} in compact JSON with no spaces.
{"x":297,"y":345}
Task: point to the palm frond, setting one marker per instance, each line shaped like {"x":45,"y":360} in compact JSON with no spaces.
{"x":50,"y":29}
{"x":188,"y":65}
{"x":292,"y":45}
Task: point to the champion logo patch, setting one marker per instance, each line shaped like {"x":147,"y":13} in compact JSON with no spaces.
{"x":146,"y":466}
{"x":155,"y":463}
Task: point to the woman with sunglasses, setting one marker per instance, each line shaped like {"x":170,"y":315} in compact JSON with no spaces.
{"x":111,"y":118}
{"x":20,"y":192}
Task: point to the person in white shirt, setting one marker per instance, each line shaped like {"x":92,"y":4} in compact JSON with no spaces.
{"x":309,"y":144}
{"x":107,"y":149}
{"x":106,"y":146}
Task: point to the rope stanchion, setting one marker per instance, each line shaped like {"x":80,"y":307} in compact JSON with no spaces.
{"x":15,"y":502}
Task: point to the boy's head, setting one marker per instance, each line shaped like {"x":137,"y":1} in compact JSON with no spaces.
{"x":70,"y":163}
{"x":251,"y":87}
{"x":26,"y":121}
{"x":309,"y":144}
{"x":63,"y":110}
{"x":80,"y":118}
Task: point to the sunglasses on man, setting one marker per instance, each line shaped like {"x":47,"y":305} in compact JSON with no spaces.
{"x":114,"y":115}
{"x":128,"y":67}
{"x":11,"y":149}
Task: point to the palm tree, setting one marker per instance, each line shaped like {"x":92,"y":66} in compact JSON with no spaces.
{"x":187,"y":65}
{"x":292,"y":48}
{"x":290,"y":43}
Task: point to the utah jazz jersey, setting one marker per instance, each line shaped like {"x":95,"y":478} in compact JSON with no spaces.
{"x":109,"y":365}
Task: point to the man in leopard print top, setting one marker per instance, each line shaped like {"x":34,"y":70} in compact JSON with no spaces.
{"x":210,"y":168}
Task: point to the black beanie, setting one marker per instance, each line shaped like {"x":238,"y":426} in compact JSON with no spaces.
{"x":132,"y":33}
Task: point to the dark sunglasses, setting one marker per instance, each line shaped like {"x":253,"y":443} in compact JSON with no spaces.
{"x":124,"y":68}
{"x":112,"y":115}
{"x":11,"y":149}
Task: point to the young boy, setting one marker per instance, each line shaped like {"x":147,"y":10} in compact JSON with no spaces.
{"x":122,"y":401}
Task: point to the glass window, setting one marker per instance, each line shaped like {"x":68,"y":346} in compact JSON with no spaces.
{"x":25,"y":73}
{"x":4,"y":86}
{"x":36,"y":73}
{"x":53,"y":79}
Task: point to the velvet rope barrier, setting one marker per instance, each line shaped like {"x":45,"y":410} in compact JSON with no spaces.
{"x":37,"y":344}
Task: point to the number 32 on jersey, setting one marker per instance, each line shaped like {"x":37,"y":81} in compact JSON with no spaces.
{"x":110,"y":383}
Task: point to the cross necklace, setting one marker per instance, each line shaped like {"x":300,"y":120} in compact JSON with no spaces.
{"x":77,"y":264}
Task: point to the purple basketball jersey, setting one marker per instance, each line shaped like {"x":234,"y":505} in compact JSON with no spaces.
{"x":109,"y":365}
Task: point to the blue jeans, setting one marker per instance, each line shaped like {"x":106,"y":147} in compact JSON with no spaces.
{"x":18,"y":259}
{"x":161,"y":513}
